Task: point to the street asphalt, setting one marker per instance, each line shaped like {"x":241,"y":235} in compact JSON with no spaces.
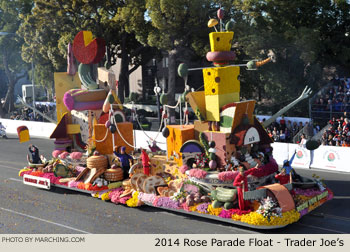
{"x":29,"y":210}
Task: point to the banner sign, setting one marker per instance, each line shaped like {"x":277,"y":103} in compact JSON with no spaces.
{"x":302,"y":157}
{"x":332,"y":158}
{"x":36,"y":181}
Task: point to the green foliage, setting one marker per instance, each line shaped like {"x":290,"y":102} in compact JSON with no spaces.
{"x":306,"y":36}
{"x":52,"y":24}
{"x":10,"y":47}
{"x":204,"y":142}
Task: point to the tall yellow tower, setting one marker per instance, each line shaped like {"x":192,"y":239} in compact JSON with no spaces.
{"x":221,"y":84}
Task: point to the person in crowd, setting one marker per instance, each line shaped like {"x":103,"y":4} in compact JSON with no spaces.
{"x":295,"y":128}
{"x":282,"y":136}
{"x":303,"y":141}
{"x":289,"y":125}
{"x":282,"y":123}
{"x":287,"y":135}
{"x":300,"y":126}
{"x":275,"y":135}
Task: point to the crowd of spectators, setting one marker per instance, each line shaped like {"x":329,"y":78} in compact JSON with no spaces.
{"x":27,"y":114}
{"x":285,"y":130}
{"x":335,"y":98}
{"x":339,"y":132}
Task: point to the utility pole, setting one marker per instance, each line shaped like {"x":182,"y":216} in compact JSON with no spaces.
{"x":33,"y":87}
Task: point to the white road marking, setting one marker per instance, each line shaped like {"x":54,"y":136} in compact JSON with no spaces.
{"x":326,"y":229}
{"x":341,"y":197}
{"x":12,"y":162}
{"x":337,"y":217}
{"x":43,"y":220}
{"x":10,"y":167}
{"x":17,"y":180}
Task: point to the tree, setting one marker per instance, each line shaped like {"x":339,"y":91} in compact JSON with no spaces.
{"x":53,"y":24}
{"x":306,"y":36}
{"x":10,"y":47}
{"x":175,"y":26}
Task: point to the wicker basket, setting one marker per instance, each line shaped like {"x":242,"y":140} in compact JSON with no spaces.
{"x":98,"y":162}
{"x":113,"y":174}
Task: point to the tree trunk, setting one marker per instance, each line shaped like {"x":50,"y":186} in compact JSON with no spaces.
{"x":8,"y":105}
{"x":124,"y":70}
{"x":172,"y":83}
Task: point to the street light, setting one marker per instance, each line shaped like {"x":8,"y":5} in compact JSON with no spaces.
{"x":12,"y":33}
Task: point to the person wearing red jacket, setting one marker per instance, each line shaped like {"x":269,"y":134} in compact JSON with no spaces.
{"x":241,"y":183}
{"x":145,"y":161}
{"x":284,"y":178}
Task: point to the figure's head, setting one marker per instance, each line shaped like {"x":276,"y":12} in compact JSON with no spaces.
{"x":285,"y":163}
{"x":122,"y":150}
{"x":241,"y":170}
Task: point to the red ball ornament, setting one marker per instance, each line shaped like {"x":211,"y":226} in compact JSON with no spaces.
{"x":220,"y":13}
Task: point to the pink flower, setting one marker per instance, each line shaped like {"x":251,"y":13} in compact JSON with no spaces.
{"x":64,"y":155}
{"x":55,"y":153}
{"x":147,"y":197}
{"x":114,"y":195}
{"x":191,"y":189}
{"x":53,"y":178}
{"x":79,"y":169}
{"x":202,"y":208}
{"x":185,"y":207}
{"x":183,"y":169}
{"x":166,"y":202}
{"x":228,"y":213}
{"x":76,"y":155}
{"x":73,"y":184}
{"x":227,"y":175}
{"x":198,"y":173}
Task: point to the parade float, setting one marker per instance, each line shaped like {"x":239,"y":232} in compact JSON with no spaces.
{"x":220,"y":167}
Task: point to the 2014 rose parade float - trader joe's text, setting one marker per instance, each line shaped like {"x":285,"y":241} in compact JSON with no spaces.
{"x":251,"y":242}
{"x":214,"y":242}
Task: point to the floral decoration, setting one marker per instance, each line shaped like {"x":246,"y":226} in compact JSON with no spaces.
{"x":147,"y":197}
{"x":115,"y":196}
{"x":203,"y":208}
{"x":201,"y":160}
{"x":134,"y":201}
{"x":166,"y":202}
{"x":255,"y":218}
{"x":105,"y":196}
{"x":197,"y":173}
{"x":214,"y":211}
{"x":227,"y":175}
{"x":183,"y":169}
{"x":24,"y":171}
{"x":269,"y":208}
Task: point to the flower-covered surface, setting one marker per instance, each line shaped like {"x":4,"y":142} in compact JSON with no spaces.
{"x":189,"y":199}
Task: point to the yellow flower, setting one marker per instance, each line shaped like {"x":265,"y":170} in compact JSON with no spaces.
{"x":133,"y":201}
{"x":23,"y":170}
{"x":193,"y":208}
{"x":105,"y":196}
{"x":255,"y":218}
{"x":214,"y":211}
